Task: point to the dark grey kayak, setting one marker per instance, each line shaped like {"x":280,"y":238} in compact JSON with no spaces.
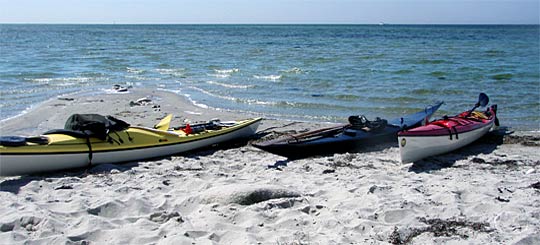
{"x":345,"y":138}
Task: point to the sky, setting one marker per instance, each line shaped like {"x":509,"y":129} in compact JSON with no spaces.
{"x":271,"y":11}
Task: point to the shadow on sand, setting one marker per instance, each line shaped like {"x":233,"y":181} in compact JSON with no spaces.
{"x":15,"y":184}
{"x":363,"y":149}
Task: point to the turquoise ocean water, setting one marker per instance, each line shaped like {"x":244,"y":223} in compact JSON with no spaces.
{"x":305,"y":72}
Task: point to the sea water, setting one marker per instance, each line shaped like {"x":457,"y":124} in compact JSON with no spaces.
{"x":302,"y":72}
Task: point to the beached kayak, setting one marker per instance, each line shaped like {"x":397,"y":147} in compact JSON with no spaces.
{"x":345,"y":138}
{"x":63,"y":149}
{"x":445,"y":135}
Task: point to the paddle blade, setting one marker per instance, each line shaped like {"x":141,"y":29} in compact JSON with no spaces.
{"x":483,"y":100}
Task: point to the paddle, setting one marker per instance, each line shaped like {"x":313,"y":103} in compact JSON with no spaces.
{"x":320,"y":131}
{"x":483,"y":100}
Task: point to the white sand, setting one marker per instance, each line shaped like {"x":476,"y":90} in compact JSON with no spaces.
{"x":483,"y":194}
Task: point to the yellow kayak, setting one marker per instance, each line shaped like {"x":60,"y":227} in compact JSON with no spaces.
{"x":63,"y":150}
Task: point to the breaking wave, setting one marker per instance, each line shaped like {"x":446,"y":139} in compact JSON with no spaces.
{"x":226,"y":85}
{"x":269,"y":77}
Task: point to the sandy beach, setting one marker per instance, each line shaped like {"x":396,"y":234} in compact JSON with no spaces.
{"x":488,"y":193}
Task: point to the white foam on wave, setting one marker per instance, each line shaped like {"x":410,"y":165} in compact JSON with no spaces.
{"x":40,"y":80}
{"x":134,"y":70}
{"x":142,"y":78}
{"x":220,"y":75}
{"x":268,"y":77}
{"x":259,"y":102}
{"x":226,"y":85}
{"x":213,"y":94}
{"x":293,"y":117}
{"x":64,"y":80}
{"x":227,"y":71}
{"x":26,"y":110}
{"x":224,"y":73}
{"x":177,"y":72}
{"x":295,"y":70}
{"x":196,"y":103}
{"x":187,"y":96}
{"x":237,"y":100}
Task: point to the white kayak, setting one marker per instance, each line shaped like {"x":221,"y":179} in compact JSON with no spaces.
{"x":444,"y":135}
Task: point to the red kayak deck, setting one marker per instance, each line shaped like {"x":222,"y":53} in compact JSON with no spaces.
{"x":453,"y":125}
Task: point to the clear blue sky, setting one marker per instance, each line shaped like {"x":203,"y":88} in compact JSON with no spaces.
{"x":272,"y":11}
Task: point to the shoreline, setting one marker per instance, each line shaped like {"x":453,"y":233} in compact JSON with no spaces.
{"x":185,"y":101}
{"x":484,"y":193}
{"x":142,"y":92}
{"x":520,"y":129}
{"x":114,"y":104}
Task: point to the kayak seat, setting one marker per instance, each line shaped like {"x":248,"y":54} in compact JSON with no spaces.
{"x":362,"y":123}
